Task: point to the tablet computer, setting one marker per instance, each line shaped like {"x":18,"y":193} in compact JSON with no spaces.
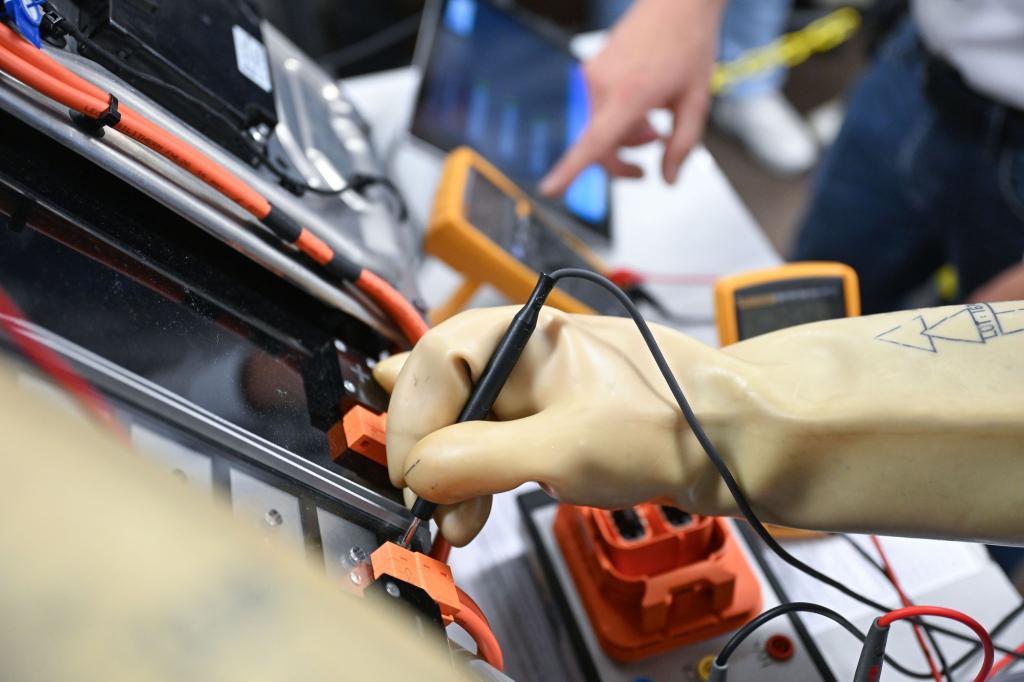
{"x":495,"y":81}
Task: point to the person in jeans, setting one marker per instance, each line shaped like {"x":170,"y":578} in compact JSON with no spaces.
{"x":928,"y":168}
{"x":755,"y":111}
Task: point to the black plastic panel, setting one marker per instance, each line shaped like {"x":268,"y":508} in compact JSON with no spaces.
{"x":105,"y":267}
{"x":204,"y":47}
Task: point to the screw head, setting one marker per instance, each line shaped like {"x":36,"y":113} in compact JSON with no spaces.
{"x":357,"y":555}
{"x":392,"y":589}
{"x":273,"y":518}
{"x":349,"y":386}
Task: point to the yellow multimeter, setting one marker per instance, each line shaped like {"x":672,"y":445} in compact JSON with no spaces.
{"x":486,"y":228}
{"x":753,"y":303}
{"x":762,"y":301}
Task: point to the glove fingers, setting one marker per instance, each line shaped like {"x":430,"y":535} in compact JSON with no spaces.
{"x":386,"y":372}
{"x":459,"y":523}
{"x":473,"y":459}
{"x":428,"y":395}
{"x":437,"y":378}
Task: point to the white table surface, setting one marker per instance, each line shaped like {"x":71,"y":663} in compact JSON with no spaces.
{"x":698,"y":226}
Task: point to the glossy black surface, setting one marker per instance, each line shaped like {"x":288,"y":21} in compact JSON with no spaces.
{"x":193,"y":47}
{"x":91,"y":259}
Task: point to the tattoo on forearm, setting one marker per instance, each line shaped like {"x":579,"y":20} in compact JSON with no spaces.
{"x":977,"y":323}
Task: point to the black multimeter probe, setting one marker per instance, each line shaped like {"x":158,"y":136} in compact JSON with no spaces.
{"x":507,"y":354}
{"x":485,"y":392}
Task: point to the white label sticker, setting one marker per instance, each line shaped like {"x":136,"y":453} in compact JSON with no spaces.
{"x":252,"y":58}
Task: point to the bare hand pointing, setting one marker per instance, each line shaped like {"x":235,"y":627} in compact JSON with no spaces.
{"x":660,"y":55}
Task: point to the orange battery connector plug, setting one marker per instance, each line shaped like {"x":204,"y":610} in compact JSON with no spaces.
{"x":419,"y":570}
{"x":654,"y":578}
{"x":435,"y":578}
{"x":361,"y":431}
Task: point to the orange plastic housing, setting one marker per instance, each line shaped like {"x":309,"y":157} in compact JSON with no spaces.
{"x":669,"y":587}
{"x":430,"y":575}
{"x":360,"y":431}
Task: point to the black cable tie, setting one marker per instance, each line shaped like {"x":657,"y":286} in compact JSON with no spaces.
{"x":292,"y":185}
{"x":94,"y":126}
{"x":51,"y":27}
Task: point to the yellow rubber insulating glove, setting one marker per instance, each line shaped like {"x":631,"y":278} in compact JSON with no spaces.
{"x":908,"y":423}
{"x":585,"y":412}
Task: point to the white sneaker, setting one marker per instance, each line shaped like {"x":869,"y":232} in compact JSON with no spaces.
{"x":771,"y":129}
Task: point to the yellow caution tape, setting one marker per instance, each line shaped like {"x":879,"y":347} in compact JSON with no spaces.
{"x":792,"y":49}
{"x":947,"y":283}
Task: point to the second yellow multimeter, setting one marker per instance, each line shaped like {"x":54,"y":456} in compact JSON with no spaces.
{"x":762,"y":301}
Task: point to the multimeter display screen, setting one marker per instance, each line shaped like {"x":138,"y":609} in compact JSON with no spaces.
{"x":529,"y":241}
{"x":776,"y":305}
{"x":494,"y":84}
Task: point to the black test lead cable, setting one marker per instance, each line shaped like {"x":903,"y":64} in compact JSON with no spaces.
{"x":507,"y":354}
{"x":719,"y":668}
{"x":504,"y":358}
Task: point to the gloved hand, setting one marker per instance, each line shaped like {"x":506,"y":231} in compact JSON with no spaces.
{"x":906,"y":424}
{"x":585,"y":413}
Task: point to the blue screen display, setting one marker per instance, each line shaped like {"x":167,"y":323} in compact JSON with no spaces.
{"x":494,"y":84}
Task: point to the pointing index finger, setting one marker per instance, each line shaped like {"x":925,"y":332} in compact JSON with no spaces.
{"x":603,"y":135}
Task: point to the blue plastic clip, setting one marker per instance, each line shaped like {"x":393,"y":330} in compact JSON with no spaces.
{"x":27,"y":15}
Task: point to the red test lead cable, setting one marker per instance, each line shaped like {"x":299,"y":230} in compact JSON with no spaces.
{"x":1005,"y":662}
{"x":627,"y":278}
{"x":890,"y":574}
{"x":869,"y":667}
{"x":57,"y":368}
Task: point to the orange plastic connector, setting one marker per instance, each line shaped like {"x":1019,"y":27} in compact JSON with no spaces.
{"x":672,"y":585}
{"x":430,"y":575}
{"x":361,"y":431}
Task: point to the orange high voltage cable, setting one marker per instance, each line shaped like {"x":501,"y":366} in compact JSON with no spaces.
{"x":47,"y":76}
{"x":476,"y":626}
{"x":44,"y":74}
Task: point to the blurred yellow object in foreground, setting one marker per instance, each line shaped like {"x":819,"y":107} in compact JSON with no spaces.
{"x":107,"y":572}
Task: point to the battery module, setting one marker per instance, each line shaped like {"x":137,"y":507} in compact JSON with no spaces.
{"x":204,"y":60}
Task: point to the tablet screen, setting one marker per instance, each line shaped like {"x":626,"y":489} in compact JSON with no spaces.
{"x":519,"y":99}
